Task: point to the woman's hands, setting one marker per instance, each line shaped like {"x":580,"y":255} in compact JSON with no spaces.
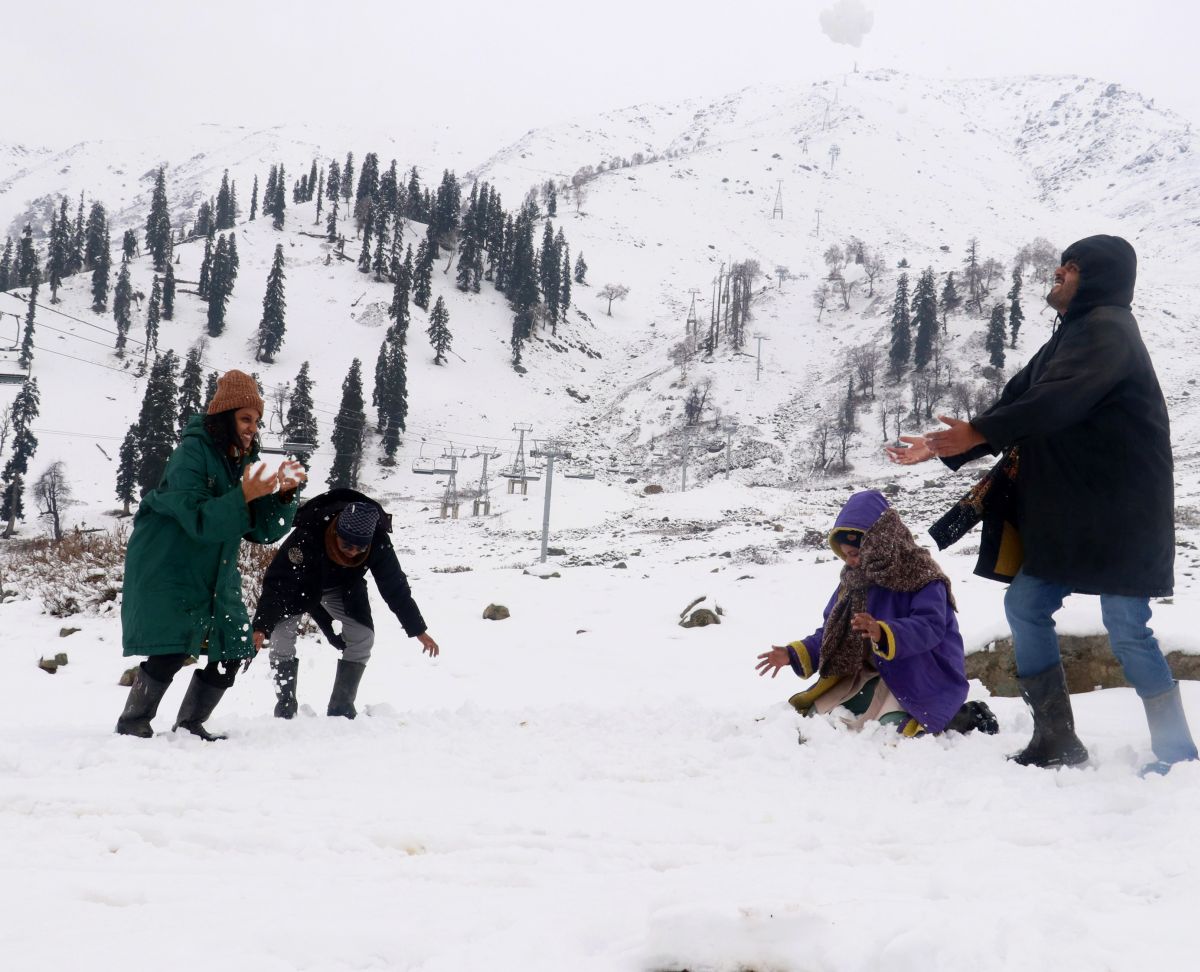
{"x":258,"y":481}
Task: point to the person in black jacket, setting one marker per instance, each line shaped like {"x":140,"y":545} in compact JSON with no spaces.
{"x":321,"y":570}
{"x":1092,"y":500}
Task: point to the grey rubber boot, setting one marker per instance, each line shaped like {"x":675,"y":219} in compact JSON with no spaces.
{"x":1170,"y":737}
{"x":197,"y":706}
{"x":345,"y":689}
{"x":1054,"y":742}
{"x":284,"y":673}
{"x":141,"y":705}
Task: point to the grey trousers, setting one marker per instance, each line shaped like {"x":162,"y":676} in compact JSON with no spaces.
{"x":358,"y":637}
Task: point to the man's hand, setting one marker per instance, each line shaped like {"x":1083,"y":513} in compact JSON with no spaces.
{"x":958,"y":438}
{"x":863,"y":623}
{"x":290,"y":475}
{"x":916,"y":451}
{"x":773,"y":660}
{"x":429,"y":646}
{"x":259,"y":640}
{"x":257,"y":481}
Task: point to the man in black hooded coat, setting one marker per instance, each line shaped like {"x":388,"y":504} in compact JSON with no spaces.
{"x":1093,"y":497}
{"x":321,"y":570}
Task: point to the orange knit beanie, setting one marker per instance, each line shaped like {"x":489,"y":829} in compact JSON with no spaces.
{"x":236,"y":389}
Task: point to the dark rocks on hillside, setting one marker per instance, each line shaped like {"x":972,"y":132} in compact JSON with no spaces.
{"x":495,"y":612}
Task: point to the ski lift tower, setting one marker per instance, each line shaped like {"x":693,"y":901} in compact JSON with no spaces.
{"x":483,"y":502}
{"x":549,"y":449}
{"x":450,"y":496}
{"x":518,"y":474}
{"x":693,"y":324}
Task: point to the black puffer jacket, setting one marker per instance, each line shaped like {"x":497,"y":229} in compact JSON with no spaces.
{"x":301,"y":572}
{"x":1094,"y":496}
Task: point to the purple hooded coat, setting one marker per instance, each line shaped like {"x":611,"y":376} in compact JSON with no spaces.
{"x":920,"y":656}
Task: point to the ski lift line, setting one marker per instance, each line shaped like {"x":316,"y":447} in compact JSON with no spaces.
{"x":70,"y":317}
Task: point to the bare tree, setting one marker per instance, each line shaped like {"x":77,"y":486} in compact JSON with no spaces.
{"x":611,"y":292}
{"x":873,"y":266}
{"x":53,"y":494}
{"x":821,"y":297}
{"x":834,"y":258}
{"x":961,"y":401}
{"x":864,"y":360}
{"x":892,"y":407}
{"x":280,"y":395}
{"x":697,"y":400}
{"x":844,"y":288}
{"x":992,"y":270}
{"x":783,"y":273}
{"x":834,"y":152}
{"x":5,"y":425}
{"x":820,"y":443}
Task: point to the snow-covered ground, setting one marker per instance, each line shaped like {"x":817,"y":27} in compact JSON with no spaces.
{"x":587,"y":785}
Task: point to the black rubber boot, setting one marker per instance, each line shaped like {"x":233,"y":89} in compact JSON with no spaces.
{"x":141,"y":705}
{"x":1170,"y":737}
{"x":197,"y":706}
{"x":284,"y":674}
{"x":1054,"y":742}
{"x":345,"y":689}
{"x":972,"y":716}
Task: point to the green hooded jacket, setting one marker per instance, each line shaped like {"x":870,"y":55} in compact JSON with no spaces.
{"x":183,"y":589}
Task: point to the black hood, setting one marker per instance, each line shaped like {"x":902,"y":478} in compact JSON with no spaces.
{"x":1107,"y":273}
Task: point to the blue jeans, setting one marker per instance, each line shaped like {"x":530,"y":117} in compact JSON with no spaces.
{"x":1030,"y":604}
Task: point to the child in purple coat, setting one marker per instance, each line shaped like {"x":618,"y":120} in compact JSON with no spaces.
{"x":889,"y":648}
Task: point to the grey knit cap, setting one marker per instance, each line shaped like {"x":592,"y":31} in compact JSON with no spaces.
{"x":356,"y":523}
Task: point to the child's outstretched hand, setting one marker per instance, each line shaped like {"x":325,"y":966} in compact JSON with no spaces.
{"x":863,"y":623}
{"x":773,"y":660}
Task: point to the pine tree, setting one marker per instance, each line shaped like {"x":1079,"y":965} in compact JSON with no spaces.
{"x":127,"y":464}
{"x":413,"y":197}
{"x":333,"y":181}
{"x":924,"y":308}
{"x":278,"y":202}
{"x":382,"y":259}
{"x":122,"y":299}
{"x":439,"y":331}
{"x":581,"y":269}
{"x":268,"y":196}
{"x":389,"y":191}
{"x":129,"y":245}
{"x":1016,"y":317}
{"x":320,"y":197}
{"x":368,"y":179}
{"x":102,"y":266}
{"x":901,"y":346}
{"x":158,"y":223}
{"x":271,"y":327}
{"x":58,"y":253}
{"x":331,"y":232}
{"x":254,"y":200}
{"x":7,"y":272}
{"x":950,"y":298}
{"x":973,"y":274}
{"x":26,"y":358}
{"x":348,"y":180}
{"x":191,"y":384}
{"x":220,"y":286}
{"x":423,"y":276}
{"x":75,"y":258}
{"x":548,"y":271}
{"x":564,"y":277}
{"x":206,"y":221}
{"x":994,"y":342}
{"x":168,"y":294}
{"x":364,"y":258}
{"x":25,"y":409}
{"x":205,"y":282}
{"x":312,"y":181}
{"x":153,"y":315}
{"x":210,"y":386}
{"x":234,"y":260}
{"x":300,"y":424}
{"x":348,"y":428}
{"x":398,"y":310}
{"x":96,"y":245}
{"x":156,"y":423}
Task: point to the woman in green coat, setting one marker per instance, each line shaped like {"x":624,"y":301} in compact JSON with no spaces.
{"x":183,"y":590}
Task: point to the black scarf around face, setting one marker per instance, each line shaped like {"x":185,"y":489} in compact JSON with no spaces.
{"x":889,"y":558}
